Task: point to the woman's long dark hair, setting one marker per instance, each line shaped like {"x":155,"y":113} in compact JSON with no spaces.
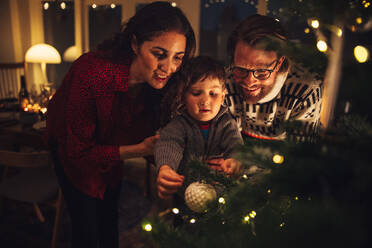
{"x":149,"y":22}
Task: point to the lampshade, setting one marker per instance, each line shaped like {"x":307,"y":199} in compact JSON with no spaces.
{"x":43,"y":53}
{"x":71,"y":54}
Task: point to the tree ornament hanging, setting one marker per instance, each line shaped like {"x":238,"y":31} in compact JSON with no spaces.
{"x":198,"y":194}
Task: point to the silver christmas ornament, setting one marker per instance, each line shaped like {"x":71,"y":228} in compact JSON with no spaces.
{"x":197,"y":195}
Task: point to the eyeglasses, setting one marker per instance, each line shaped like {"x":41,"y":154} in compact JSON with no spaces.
{"x":260,"y":74}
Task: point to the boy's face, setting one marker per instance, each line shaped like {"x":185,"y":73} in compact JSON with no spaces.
{"x":204,"y":99}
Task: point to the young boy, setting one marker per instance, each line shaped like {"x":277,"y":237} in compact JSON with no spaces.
{"x":203,"y":129}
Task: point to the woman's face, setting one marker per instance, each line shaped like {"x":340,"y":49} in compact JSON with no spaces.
{"x":156,"y":60}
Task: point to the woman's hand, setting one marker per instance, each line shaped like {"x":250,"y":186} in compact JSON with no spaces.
{"x":145,"y":148}
{"x":168,"y":182}
{"x":148,"y":145}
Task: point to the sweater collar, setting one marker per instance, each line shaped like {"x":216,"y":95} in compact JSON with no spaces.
{"x":279,"y":82}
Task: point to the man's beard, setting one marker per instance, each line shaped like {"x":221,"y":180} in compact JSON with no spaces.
{"x":253,"y":99}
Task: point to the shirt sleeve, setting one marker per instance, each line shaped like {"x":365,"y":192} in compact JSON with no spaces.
{"x":231,"y":137}
{"x":234,"y":102}
{"x":170,"y":146}
{"x":307,"y":114}
{"x":82,"y":148}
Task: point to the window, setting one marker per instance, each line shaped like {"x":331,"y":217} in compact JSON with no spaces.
{"x":217,"y":19}
{"x":104,"y":21}
{"x":59,"y":32}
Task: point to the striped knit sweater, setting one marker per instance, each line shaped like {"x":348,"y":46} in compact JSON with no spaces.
{"x":296,"y":96}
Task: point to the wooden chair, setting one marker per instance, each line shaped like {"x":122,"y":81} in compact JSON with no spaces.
{"x":34,"y":181}
{"x":10,"y":74}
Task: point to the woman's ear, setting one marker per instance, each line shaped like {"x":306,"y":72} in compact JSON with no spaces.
{"x":134,"y":45}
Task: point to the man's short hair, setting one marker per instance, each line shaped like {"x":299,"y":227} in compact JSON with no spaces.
{"x":255,"y":29}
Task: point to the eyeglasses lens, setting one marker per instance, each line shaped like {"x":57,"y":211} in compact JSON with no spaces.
{"x":243,"y":73}
{"x":262,"y":74}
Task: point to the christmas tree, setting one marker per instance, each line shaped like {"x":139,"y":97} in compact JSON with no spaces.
{"x":292,"y":194}
{"x":305,"y":194}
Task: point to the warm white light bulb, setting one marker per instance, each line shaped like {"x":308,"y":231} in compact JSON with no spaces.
{"x":46,"y":6}
{"x":246,"y":219}
{"x":174,"y":4}
{"x":252,"y":214}
{"x":221,"y":200}
{"x":339,"y":32}
{"x":315,"y":23}
{"x":148,"y":228}
{"x":322,"y":46}
{"x":94,"y":5}
{"x":43,"y":110}
{"x":112,"y":6}
{"x":192,"y":221}
{"x":175,"y":210}
{"x":278,"y":159}
{"x":63,"y":5}
{"x":361,"y":54}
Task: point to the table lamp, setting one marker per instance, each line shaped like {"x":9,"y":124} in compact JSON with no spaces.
{"x":71,"y":54}
{"x":43,"y":53}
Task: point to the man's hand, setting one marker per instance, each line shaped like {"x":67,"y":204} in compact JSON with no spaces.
{"x":231,"y":166}
{"x":215,"y":163}
{"x":168,"y":182}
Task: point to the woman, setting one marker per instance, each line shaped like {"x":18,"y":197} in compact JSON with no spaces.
{"x":106,"y":110}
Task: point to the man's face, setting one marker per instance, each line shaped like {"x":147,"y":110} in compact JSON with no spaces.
{"x":250,"y":58}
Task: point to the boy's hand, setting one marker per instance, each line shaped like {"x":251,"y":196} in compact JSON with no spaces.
{"x":168,"y":182}
{"x":230,"y":166}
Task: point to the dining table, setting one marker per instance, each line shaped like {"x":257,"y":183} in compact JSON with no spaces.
{"x":16,"y":133}
{"x":19,"y":131}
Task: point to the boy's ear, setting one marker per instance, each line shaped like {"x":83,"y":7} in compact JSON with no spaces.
{"x":134,"y":45}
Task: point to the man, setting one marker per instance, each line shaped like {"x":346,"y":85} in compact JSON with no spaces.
{"x":264,"y":89}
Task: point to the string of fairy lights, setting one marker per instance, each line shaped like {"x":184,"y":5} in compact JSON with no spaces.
{"x":63,"y":5}
{"x":247,"y":218}
{"x":361,"y":53}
